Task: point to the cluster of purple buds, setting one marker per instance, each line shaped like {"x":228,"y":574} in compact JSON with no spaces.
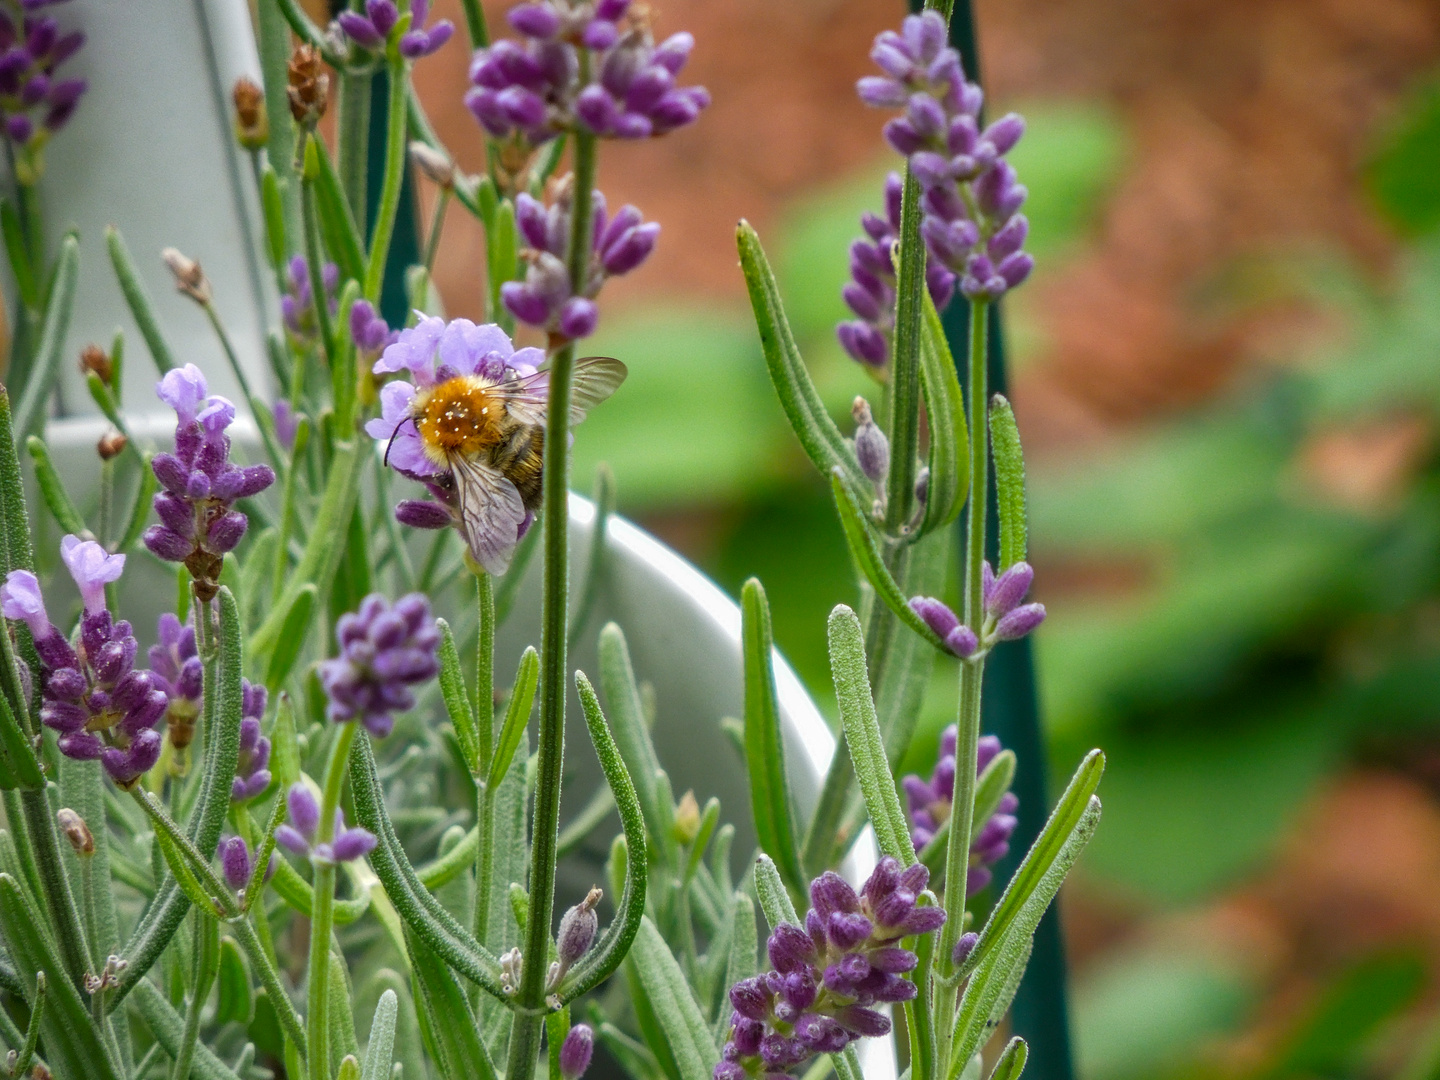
{"x":370,"y":333}
{"x":175,"y":664}
{"x":1006,"y":618}
{"x":970,"y":195}
{"x":384,"y":651}
{"x":830,"y":974}
{"x":931,"y":801}
{"x":531,"y":89}
{"x":237,"y":863}
{"x":870,"y":293}
{"x":252,"y":773}
{"x":547,"y":298}
{"x":297,"y":304}
{"x":201,"y":485}
{"x":33,"y":102}
{"x":299,"y":834}
{"x":373,"y":29}
{"x":93,"y":696}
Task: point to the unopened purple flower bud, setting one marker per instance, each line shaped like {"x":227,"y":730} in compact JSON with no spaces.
{"x":872,"y":448}
{"x":577,"y":930}
{"x":1019,"y":622}
{"x":423,"y":514}
{"x":964,"y":947}
{"x":578,"y":317}
{"x":790,"y":948}
{"x":235,"y":862}
{"x":576,"y":1051}
{"x":936,"y":615}
{"x":1003,"y":594}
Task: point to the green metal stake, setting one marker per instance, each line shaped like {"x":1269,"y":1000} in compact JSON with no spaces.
{"x":1041,"y":1013}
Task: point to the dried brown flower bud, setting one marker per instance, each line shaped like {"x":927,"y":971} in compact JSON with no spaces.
{"x":309,"y":89}
{"x":94,"y":358}
{"x":189,"y":278}
{"x":436,"y":166}
{"x":111,"y":445}
{"x":252,"y":126}
{"x":76,"y":831}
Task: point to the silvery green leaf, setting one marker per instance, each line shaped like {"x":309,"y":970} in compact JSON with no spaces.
{"x":137,"y":297}
{"x":169,"y":1029}
{"x":945,"y":410}
{"x":517,"y":715}
{"x":770,"y":804}
{"x":775,"y":902}
{"x":30,"y":410}
{"x":52,"y":489}
{"x":862,"y":736}
{"x":294,"y":630}
{"x":337,"y":225}
{"x":1009,"y":481}
{"x":460,"y":1051}
{"x":236,"y":999}
{"x":676,"y":1011}
{"x":1012,"y":1060}
{"x":627,"y":716}
{"x":381,"y":1047}
{"x":740,"y":963}
{"x":457,"y":696}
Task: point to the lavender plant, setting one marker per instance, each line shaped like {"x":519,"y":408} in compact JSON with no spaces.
{"x":303,"y":693}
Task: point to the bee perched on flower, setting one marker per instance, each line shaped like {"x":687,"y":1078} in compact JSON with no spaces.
{"x":471,"y":427}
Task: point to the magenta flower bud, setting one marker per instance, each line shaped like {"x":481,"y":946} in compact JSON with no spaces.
{"x":578,"y":317}
{"x":235,"y":862}
{"x":1003,"y":594}
{"x":227,"y":531}
{"x":577,"y":930}
{"x":351,"y":844}
{"x":964,"y":947}
{"x":599,"y":35}
{"x":360,"y":30}
{"x":789,"y":948}
{"x":962,"y":641}
{"x":1019,"y":622}
{"x":936,"y":615}
{"x":1004,"y":133}
{"x":304,"y":810}
{"x":864,"y":343}
{"x":576,"y":1051}
{"x":534,"y":20}
{"x":872,"y":448}
{"x":631,"y":249}
{"x":524,"y":303}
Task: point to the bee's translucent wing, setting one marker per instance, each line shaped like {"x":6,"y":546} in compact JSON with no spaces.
{"x":596,"y":378}
{"x":491,"y":512}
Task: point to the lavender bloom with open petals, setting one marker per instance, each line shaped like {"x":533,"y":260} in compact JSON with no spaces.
{"x":829,"y":975}
{"x":92,"y":696}
{"x":198,"y":522}
{"x":971,"y":196}
{"x":384,"y":651}
{"x":547,"y":298}
{"x":931,"y":802}
{"x":299,"y":834}
{"x":433,"y":352}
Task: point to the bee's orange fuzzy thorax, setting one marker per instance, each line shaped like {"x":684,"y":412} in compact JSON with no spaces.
{"x":460,"y":416}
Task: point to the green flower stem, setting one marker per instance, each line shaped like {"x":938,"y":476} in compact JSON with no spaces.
{"x":354,"y":138}
{"x":475,"y":24}
{"x":55,"y":885}
{"x":485,"y":735}
{"x":267,"y":434}
{"x":432,"y":238}
{"x":323,"y":913}
{"x":315,"y":264}
{"x":261,"y":954}
{"x":198,"y":864}
{"x":905,"y":368}
{"x":394,"y":177}
{"x":972,"y":672}
{"x":555,"y":602}
{"x":205,"y":956}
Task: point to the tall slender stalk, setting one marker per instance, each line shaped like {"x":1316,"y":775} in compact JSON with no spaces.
{"x":555,"y":602}
{"x":354,"y":139}
{"x":394,"y":178}
{"x":322,"y":918}
{"x":905,"y":369}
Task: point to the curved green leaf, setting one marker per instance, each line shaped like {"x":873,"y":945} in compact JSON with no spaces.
{"x":1009,"y":481}
{"x":294,"y":630}
{"x":949,"y":458}
{"x":673,"y":1004}
{"x":46,"y":367}
{"x":457,"y":696}
{"x":517,"y":715}
{"x":137,"y":297}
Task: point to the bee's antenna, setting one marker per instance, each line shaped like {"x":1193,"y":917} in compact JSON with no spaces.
{"x":391,"y":443}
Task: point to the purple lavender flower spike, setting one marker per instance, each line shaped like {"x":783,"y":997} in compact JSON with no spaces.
{"x":237,"y":863}
{"x":252,"y":776}
{"x":384,"y":651}
{"x":298,"y":833}
{"x":958,"y":638}
{"x":34,"y":102}
{"x":1006,"y":617}
{"x":297,"y":304}
{"x":371,"y":334}
{"x":92,"y":696}
{"x":576,"y":1051}
{"x":828,"y":976}
{"x":200,"y":484}
{"x":931,"y":800}
{"x":960,"y":166}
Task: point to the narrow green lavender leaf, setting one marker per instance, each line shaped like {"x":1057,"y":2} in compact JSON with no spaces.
{"x":457,"y":697}
{"x":632,"y":735}
{"x":137,"y":297}
{"x":46,"y":368}
{"x":293,"y":631}
{"x":775,"y":902}
{"x":603,"y":496}
{"x":222,"y":749}
{"x":1009,"y":482}
{"x":867,"y":556}
{"x":460,"y":1051}
{"x":342,"y":238}
{"x":25,"y":280}
{"x":862,"y":736}
{"x":140,"y":508}
{"x":342,"y":1020}
{"x":82,"y":789}
{"x":770,"y":803}
{"x":986,"y":999}
{"x":1064,"y":824}
{"x":15,"y":551}
{"x":591,"y":816}
{"x":517,"y":715}
{"x":429,"y":919}
{"x":322,"y":553}
{"x":557,"y":1026}
{"x":380,"y":1050}
{"x":1012,"y":1060}
{"x":32,"y":1031}
{"x":273,"y":207}
{"x":805,"y":410}
{"x":169,"y":1029}
{"x":709,"y":821}
{"x":72,"y":1045}
{"x":949,"y":457}
{"x":501,"y":249}
{"x":740,"y":962}
{"x":677,"y":1013}
{"x":298,"y":894}
{"x":236,"y":999}
{"x":19,"y":766}
{"x":509,"y":864}
{"x":847,"y":1064}
{"x":602,"y":960}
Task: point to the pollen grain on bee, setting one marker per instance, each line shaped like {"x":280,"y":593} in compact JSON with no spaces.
{"x":456,"y":417}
